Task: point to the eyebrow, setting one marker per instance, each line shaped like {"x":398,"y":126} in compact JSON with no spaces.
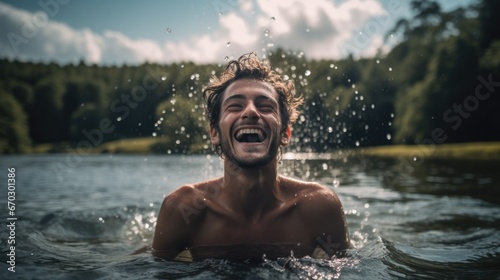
{"x":242,"y":96}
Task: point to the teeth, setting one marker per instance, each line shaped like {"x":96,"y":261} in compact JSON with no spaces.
{"x":250,"y":131}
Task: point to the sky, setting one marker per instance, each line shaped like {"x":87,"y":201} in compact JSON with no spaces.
{"x":130,"y":32}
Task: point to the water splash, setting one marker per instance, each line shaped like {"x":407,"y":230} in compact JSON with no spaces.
{"x":336,"y":183}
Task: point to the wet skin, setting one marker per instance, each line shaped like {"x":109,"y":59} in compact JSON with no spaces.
{"x":250,"y":205}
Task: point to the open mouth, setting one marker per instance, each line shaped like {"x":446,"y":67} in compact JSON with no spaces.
{"x":250,"y":135}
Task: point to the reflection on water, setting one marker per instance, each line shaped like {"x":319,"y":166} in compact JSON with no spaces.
{"x":430,"y":219}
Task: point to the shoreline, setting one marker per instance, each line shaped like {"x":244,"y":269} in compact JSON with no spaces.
{"x":149,"y":145}
{"x":459,"y":151}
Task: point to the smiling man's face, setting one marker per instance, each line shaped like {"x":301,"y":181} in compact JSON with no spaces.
{"x":250,"y":129}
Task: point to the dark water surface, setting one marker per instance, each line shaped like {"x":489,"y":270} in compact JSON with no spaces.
{"x":81,"y":217}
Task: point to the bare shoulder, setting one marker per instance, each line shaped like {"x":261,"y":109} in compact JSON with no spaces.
{"x":322,"y":212}
{"x":308,"y":191}
{"x":190,"y":198}
{"x":179,"y":216}
{"x":187,"y":191}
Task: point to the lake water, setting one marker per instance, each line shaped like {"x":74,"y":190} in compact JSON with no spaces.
{"x":81,"y":217}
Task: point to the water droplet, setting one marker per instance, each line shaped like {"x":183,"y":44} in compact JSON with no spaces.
{"x":307,"y":73}
{"x":378,"y":61}
{"x":414,"y":158}
{"x":325,"y":166}
{"x":169,"y":30}
{"x":266,"y":32}
{"x":163,"y":78}
{"x":367,"y":205}
{"x":119,"y":119}
{"x":228,"y":44}
{"x":388,"y":136}
{"x":390,"y":68}
{"x":273,"y":18}
{"x":154,"y":134}
{"x":226,"y":58}
{"x":357,"y":143}
{"x":336,"y":183}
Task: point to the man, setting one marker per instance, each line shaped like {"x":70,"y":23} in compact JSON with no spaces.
{"x":250,"y":212}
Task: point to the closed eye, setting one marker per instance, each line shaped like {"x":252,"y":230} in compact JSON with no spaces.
{"x":234,"y":107}
{"x":267,"y":108}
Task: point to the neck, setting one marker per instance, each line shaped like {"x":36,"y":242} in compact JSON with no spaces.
{"x":251,"y":191}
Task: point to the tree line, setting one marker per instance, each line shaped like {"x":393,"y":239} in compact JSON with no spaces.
{"x":440,"y":84}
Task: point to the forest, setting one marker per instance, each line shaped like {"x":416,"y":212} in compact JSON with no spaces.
{"x":440,"y":84}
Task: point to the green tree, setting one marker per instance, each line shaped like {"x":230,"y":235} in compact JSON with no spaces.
{"x":86,"y":117}
{"x":14,"y":134}
{"x":181,"y":125}
{"x":47,"y":119}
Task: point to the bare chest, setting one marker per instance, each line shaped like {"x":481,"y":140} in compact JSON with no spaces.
{"x":284,"y":228}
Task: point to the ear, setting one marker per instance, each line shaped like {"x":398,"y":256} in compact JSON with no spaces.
{"x":286,"y":135}
{"x":214,"y":136}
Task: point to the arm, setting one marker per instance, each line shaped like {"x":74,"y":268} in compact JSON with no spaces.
{"x":172,"y":226}
{"x":327,"y":221}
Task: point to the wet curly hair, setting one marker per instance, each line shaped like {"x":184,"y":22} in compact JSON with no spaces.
{"x":250,"y":66}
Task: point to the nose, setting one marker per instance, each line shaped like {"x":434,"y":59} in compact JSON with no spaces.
{"x":250,"y":111}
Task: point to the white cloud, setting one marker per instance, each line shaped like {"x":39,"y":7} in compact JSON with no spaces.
{"x":117,"y":46}
{"x":320,"y":28}
{"x":26,"y":38}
